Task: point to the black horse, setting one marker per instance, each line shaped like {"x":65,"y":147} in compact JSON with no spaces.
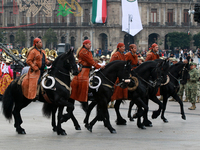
{"x":102,"y":96}
{"x":179,"y":71}
{"x":14,"y":101}
{"x":150,"y":75}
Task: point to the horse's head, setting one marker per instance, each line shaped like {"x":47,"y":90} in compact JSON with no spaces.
{"x":159,"y":73}
{"x":65,"y":63}
{"x":184,"y":74}
{"x":71,"y":62}
{"x":124,"y":74}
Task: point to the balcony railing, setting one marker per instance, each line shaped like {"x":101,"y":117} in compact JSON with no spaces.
{"x":10,"y":24}
{"x":185,"y":23}
{"x":154,"y":0}
{"x":170,"y":23}
{"x":171,"y":0}
{"x":186,"y":1}
{"x":154,"y":23}
{"x":72,"y":24}
{"x":85,"y":23}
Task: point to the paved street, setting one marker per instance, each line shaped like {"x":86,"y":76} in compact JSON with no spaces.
{"x":177,"y":134}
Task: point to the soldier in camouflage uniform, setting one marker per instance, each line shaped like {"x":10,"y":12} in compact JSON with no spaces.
{"x":198,"y":87}
{"x":192,"y":85}
{"x":181,"y":92}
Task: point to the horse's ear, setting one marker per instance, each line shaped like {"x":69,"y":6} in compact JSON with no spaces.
{"x":71,"y":49}
{"x":128,"y":62}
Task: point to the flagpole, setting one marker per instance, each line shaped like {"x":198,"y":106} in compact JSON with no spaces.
{"x":129,"y":20}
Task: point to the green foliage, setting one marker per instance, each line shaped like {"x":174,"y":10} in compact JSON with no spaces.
{"x":2,"y":37}
{"x":179,"y":39}
{"x":63,"y":12}
{"x":50,"y":37}
{"x":196,"y":39}
{"x":20,"y":37}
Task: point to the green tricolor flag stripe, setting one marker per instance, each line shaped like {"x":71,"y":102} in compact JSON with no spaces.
{"x":99,"y":11}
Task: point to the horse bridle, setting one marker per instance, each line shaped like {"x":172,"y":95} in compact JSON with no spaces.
{"x":150,"y":83}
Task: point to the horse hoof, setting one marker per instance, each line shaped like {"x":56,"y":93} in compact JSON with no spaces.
{"x":62,"y":133}
{"x":142,"y":127}
{"x":78,"y":128}
{"x":113,"y":131}
{"x":121,"y":122}
{"x":154,"y":115}
{"x":149,"y":125}
{"x":165,"y":121}
{"x":88,"y":127}
{"x":54,"y":129}
{"x":21,"y":131}
{"x":131,"y":119}
{"x":184,"y":117}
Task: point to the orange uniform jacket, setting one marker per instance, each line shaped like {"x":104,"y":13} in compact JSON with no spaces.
{"x":29,"y":83}
{"x":132,"y":58}
{"x":80,"y":83}
{"x":119,"y":93}
{"x":152,"y":56}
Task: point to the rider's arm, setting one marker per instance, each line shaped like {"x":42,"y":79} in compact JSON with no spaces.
{"x":30,"y":60}
{"x":87,"y":57}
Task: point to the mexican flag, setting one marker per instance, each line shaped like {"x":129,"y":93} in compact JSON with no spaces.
{"x":99,"y":11}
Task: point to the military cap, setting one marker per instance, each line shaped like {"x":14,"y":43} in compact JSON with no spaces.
{"x":174,"y":59}
{"x":192,"y":63}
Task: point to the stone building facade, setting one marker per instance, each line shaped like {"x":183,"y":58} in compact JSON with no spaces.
{"x":159,"y":17}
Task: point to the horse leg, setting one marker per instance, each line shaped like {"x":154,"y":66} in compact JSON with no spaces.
{"x":129,"y":110}
{"x":140,"y":124}
{"x":120,"y":120}
{"x":165,"y":98}
{"x":146,"y":121}
{"x":157,"y":112}
{"x":53,"y":121}
{"x":90,"y":107}
{"x":74,"y":120}
{"x":60,"y":131}
{"x":17,"y":116}
{"x":177,"y":98}
{"x":106,"y":121}
{"x":140,"y":104}
{"x":90,"y":125}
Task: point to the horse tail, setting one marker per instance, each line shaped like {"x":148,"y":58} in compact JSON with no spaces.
{"x":47,"y":109}
{"x":8,"y":102}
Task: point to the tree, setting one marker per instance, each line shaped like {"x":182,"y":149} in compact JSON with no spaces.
{"x":50,"y":37}
{"x":196,"y":39}
{"x":2,"y":37}
{"x":20,"y":37}
{"x":179,"y":39}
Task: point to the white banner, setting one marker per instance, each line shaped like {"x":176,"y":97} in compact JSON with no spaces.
{"x":131,"y":21}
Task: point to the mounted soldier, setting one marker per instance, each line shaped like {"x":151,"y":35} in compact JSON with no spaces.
{"x":132,"y":56}
{"x":80,"y":83}
{"x":37,"y":60}
{"x":118,"y":54}
{"x":153,"y":54}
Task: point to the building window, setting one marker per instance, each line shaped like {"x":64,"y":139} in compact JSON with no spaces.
{"x":40,"y":17}
{"x":1,"y":19}
{"x":153,"y":15}
{"x":11,"y":18}
{"x":72,"y":18}
{"x":72,"y":41}
{"x":186,"y":16}
{"x":86,"y":16}
{"x":63,"y":19}
{"x":55,"y":17}
{"x":48,"y":20}
{"x":24,"y":17}
{"x":170,"y":15}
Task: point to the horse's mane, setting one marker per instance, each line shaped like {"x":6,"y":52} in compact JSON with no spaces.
{"x":57,"y":58}
{"x":113,"y":62}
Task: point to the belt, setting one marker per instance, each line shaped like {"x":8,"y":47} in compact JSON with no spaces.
{"x":86,"y":67}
